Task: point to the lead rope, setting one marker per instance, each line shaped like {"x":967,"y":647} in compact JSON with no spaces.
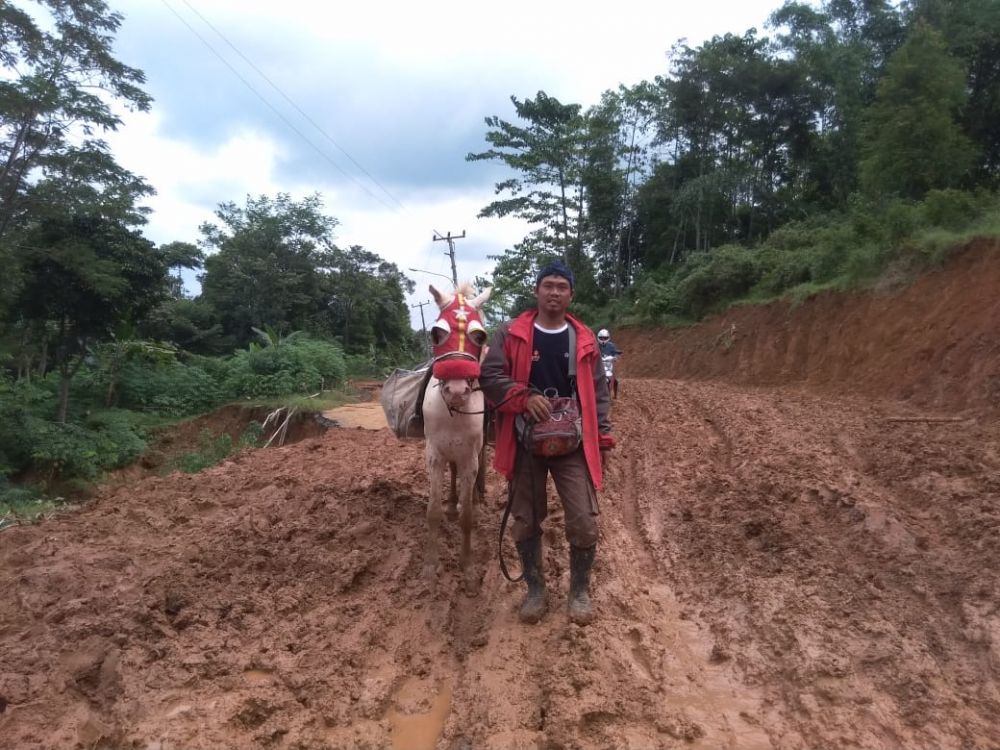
{"x":519,"y":452}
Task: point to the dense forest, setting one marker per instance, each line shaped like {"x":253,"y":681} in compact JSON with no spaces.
{"x":98,"y":339}
{"x":852,"y":139}
{"x":855,"y":136}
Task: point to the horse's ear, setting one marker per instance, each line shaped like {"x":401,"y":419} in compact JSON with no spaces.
{"x":478,"y":302}
{"x":436,"y":295}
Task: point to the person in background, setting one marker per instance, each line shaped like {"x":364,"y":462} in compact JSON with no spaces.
{"x":608,"y":347}
{"x":527,"y":358}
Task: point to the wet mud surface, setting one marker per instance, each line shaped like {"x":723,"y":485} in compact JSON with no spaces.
{"x":776,"y":570}
{"x":813,"y":564}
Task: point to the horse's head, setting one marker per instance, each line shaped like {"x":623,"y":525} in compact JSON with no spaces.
{"x":458,"y":335}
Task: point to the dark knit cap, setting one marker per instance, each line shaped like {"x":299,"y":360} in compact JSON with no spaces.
{"x":555,"y":268}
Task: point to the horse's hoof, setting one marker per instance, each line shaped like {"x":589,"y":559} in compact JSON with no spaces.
{"x":451,"y":512}
{"x":470,"y":584}
{"x":429,"y":572}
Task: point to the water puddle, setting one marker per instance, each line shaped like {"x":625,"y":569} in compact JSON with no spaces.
{"x":419,"y":730}
{"x":367,"y":415}
{"x":258,"y":676}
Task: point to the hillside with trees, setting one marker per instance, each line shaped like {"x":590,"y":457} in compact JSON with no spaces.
{"x":849,"y":138}
{"x":99,"y":339}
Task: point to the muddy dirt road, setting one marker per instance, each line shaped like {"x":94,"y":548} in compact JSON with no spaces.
{"x":776,"y":570}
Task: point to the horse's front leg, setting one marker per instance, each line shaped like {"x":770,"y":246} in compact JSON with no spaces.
{"x":451,"y":505}
{"x":435,"y":469}
{"x":467,"y":490}
{"x":481,"y":475}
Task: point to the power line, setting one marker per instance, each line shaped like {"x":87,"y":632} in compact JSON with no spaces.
{"x":295,"y":106}
{"x":276,"y":111}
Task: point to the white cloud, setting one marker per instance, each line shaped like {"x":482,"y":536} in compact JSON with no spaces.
{"x":372,"y":68}
{"x":190,"y":180}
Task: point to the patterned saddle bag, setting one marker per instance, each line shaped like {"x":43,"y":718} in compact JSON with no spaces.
{"x":558,"y":435}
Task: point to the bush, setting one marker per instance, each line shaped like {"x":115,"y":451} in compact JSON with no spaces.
{"x":169,"y":388}
{"x":296,"y":366}
{"x":711,"y":279}
{"x":950,"y":209}
{"x":61,"y":451}
{"x":117,"y":440}
{"x":213,"y":449}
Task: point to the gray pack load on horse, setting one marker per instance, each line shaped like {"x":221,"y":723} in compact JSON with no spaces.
{"x":442,"y":403}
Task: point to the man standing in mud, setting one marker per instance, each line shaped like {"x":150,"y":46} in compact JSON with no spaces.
{"x":529,"y":362}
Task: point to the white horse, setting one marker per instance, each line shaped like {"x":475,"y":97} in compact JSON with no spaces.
{"x":453,"y":431}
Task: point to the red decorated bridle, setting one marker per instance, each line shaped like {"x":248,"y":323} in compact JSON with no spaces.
{"x":458,"y":337}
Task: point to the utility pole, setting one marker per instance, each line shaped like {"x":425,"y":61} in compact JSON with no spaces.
{"x":423,"y":324}
{"x":451,"y":250}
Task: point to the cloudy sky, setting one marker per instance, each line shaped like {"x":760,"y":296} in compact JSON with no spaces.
{"x":373,"y":104}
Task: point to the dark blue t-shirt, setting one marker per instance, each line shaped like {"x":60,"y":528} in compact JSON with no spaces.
{"x":550,"y":360}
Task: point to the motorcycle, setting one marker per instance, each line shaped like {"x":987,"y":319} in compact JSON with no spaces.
{"x":609,"y":373}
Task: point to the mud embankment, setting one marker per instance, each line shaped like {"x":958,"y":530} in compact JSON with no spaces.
{"x":934,"y":343}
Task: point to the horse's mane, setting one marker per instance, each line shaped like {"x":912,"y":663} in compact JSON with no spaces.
{"x":465,"y":288}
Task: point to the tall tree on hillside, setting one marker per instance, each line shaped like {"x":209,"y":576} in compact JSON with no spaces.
{"x":618,"y":134}
{"x":971,"y":31}
{"x":60,"y":77}
{"x":548,"y":155}
{"x":840,"y":49}
{"x":736,"y":121}
{"x":912,"y":139}
{"x":267,"y":265}
{"x":178,"y":256}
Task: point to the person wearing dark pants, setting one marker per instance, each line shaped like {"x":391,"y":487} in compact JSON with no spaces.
{"x":528,"y":364}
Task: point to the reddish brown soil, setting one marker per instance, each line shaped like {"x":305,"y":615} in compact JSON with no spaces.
{"x":780,"y":567}
{"x":933,"y":343}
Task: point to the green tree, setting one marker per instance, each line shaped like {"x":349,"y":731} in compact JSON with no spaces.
{"x":178,"y":256}
{"x":268,"y":265}
{"x":548,"y":154}
{"x":189,"y":324}
{"x":59,"y":81}
{"x":840,"y":50}
{"x":971,"y":31}
{"x":616,"y":158}
{"x":367,"y":304}
{"x":912,"y":139}
{"x":84,"y":275}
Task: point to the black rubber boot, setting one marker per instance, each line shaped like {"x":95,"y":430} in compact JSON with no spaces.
{"x":533,"y":604}
{"x":581,"y":559}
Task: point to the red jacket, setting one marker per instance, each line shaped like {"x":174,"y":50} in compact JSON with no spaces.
{"x":504,"y":380}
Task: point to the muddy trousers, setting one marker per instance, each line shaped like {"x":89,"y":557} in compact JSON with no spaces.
{"x":529,"y":505}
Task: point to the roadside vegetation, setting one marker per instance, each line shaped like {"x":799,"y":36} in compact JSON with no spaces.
{"x":106,"y":337}
{"x":862,"y":247}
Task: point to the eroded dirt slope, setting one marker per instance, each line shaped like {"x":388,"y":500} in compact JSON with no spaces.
{"x":935,"y":342}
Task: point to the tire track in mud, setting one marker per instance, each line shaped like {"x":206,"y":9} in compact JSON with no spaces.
{"x":802,"y":558}
{"x":748,"y":596}
{"x":642,"y":676}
